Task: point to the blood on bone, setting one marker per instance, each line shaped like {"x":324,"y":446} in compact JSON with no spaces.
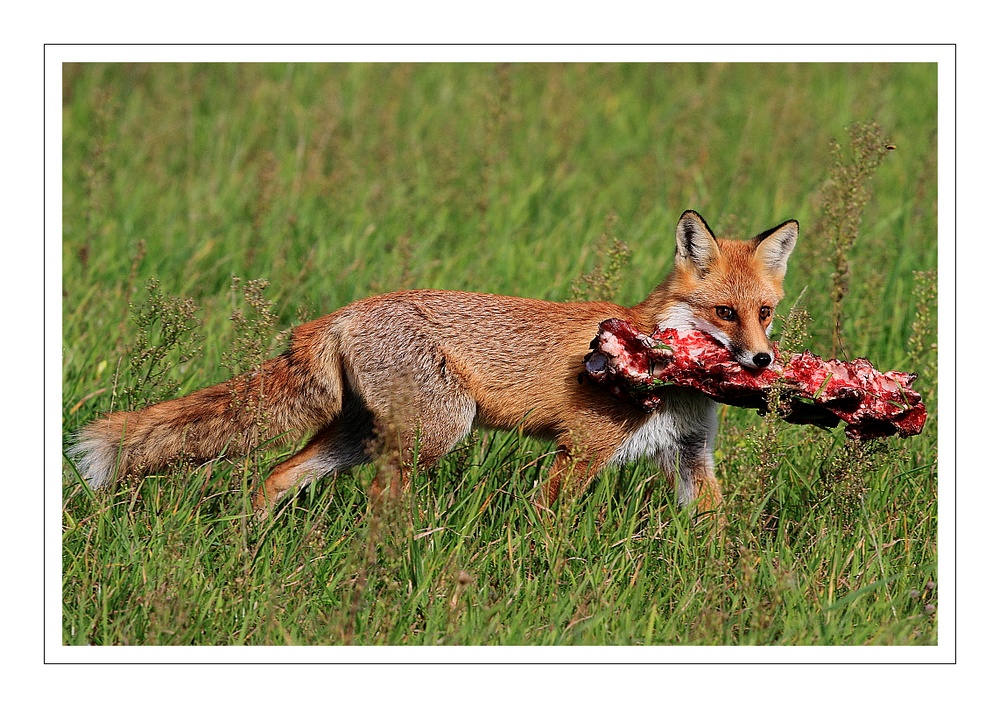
{"x":636,"y":367}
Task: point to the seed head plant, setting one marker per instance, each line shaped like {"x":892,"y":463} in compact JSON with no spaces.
{"x":922,"y":343}
{"x":603,"y":281}
{"x":166,"y":335}
{"x":844,"y":199}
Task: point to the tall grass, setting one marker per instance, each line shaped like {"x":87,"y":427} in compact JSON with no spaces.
{"x":334,"y":182}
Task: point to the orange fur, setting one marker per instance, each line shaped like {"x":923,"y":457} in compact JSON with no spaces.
{"x":425,"y":366}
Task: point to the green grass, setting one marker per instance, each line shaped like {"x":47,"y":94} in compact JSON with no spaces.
{"x":334,"y":182}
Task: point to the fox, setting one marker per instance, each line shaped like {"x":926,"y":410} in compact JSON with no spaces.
{"x":430,"y":365}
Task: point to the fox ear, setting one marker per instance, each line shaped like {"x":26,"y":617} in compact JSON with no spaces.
{"x":696,"y":245}
{"x":773,"y":247}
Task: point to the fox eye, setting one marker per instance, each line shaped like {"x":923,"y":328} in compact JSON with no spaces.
{"x":725,"y":313}
{"x":765,"y":312}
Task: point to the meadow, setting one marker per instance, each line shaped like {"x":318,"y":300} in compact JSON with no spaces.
{"x":209,"y":208}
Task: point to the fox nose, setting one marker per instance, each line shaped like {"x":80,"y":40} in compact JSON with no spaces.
{"x":761,"y":360}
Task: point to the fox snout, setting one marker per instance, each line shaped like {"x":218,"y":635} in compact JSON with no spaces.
{"x":761,"y":359}
{"x":750,"y":359}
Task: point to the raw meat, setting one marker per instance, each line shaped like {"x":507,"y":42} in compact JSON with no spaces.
{"x":636,"y":367}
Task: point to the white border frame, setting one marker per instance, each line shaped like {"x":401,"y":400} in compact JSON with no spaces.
{"x":943,"y":55}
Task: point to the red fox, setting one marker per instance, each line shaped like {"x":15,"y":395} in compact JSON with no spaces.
{"x":431,"y":364}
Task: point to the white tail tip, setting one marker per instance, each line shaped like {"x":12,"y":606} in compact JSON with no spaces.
{"x":95,"y":459}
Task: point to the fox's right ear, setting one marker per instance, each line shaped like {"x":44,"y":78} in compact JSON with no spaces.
{"x":696,"y":244}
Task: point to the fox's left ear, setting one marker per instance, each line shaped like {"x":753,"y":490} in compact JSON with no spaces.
{"x":772,"y":248}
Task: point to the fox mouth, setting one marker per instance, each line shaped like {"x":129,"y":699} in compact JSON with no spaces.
{"x":750,"y":360}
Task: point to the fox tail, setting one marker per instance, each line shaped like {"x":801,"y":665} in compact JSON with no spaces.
{"x":300,"y":390}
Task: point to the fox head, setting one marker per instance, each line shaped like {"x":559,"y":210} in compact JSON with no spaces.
{"x":728,"y":289}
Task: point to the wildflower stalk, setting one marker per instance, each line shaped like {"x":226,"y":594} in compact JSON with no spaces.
{"x":844,"y":199}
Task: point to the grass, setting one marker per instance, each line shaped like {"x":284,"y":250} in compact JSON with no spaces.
{"x":334,"y":182}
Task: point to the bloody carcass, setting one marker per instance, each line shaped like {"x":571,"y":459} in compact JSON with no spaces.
{"x":636,"y":367}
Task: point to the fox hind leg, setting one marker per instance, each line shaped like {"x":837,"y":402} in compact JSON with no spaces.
{"x":425,"y":409}
{"x":347,"y":441}
{"x":431,"y":431}
{"x":359,"y":436}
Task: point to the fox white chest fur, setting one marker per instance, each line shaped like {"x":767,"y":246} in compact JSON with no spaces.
{"x":679,"y":437}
